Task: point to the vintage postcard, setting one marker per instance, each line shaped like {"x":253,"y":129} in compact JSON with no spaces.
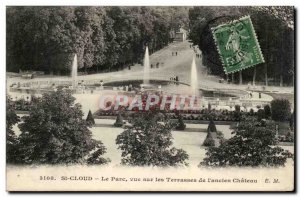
{"x":150,"y":98}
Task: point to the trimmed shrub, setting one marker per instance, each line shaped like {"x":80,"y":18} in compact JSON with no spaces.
{"x":90,"y":118}
{"x":237,"y":112}
{"x":209,"y":141}
{"x":260,"y":114}
{"x":237,"y":108}
{"x":251,"y":112}
{"x":119,"y":121}
{"x":280,"y":110}
{"x":180,"y":124}
{"x":211,"y":126}
{"x":267,"y":110}
{"x":209,"y":106}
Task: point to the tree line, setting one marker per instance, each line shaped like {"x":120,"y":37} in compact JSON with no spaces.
{"x":274,"y":27}
{"x":104,"y":38}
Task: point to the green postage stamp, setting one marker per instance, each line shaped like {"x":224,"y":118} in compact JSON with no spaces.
{"x":237,"y":45}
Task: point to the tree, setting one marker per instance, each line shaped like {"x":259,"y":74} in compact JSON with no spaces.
{"x":148,"y":141}
{"x":40,"y":38}
{"x":252,"y":145}
{"x":274,"y":31}
{"x":90,"y":118}
{"x":46,"y":38}
{"x":280,"y":109}
{"x":55,"y":133}
{"x":11,"y":138}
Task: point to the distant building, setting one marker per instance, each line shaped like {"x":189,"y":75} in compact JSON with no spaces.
{"x":180,"y":35}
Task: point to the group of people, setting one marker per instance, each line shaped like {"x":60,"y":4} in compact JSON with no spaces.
{"x":198,"y":55}
{"x":251,"y":95}
{"x":174,"y":53}
{"x":157,"y":65}
{"x":174,"y":79}
{"x":126,"y":88}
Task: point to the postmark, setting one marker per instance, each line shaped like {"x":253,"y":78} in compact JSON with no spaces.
{"x":237,"y":45}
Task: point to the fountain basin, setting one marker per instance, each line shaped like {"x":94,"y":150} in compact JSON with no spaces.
{"x":149,"y":86}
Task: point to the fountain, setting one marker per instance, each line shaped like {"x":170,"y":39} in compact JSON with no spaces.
{"x":146,"y":79}
{"x":194,"y":78}
{"x":74,"y":72}
{"x":146,"y":67}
